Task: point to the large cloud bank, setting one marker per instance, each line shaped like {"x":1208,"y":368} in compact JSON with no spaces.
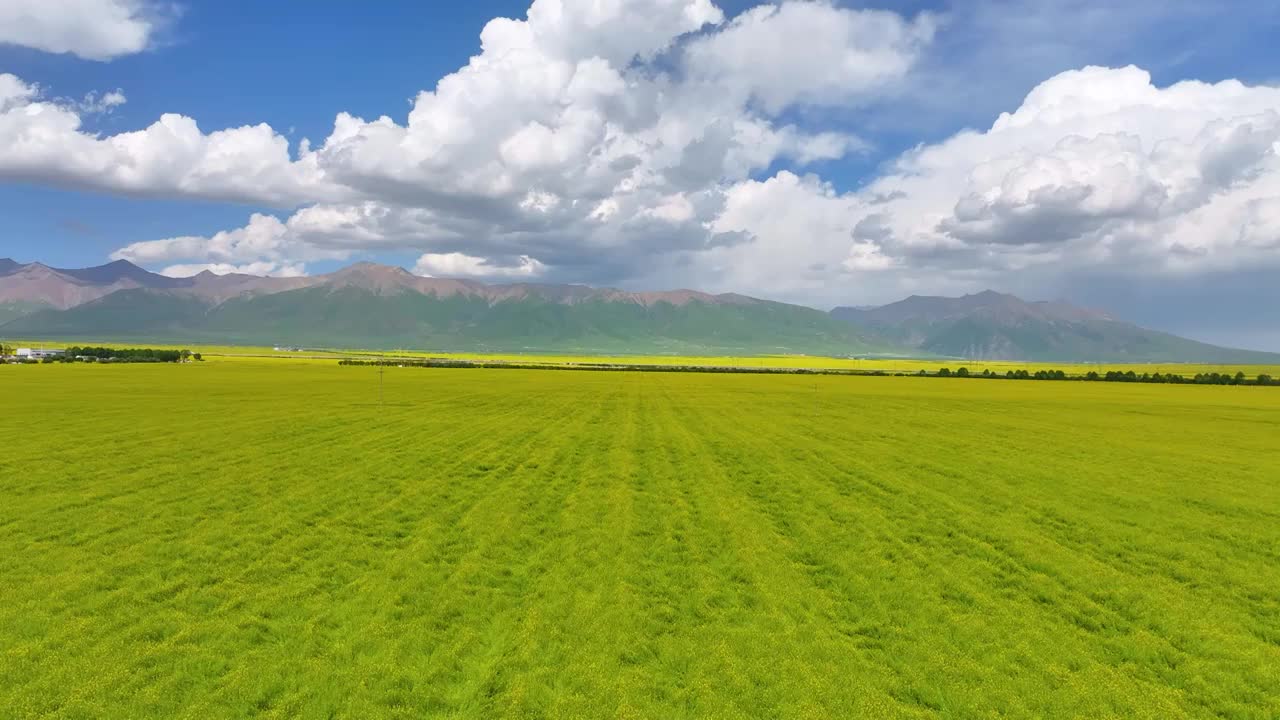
{"x":657,"y":142}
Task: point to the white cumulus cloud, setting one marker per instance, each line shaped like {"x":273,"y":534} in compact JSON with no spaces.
{"x":264,"y":242}
{"x":592,"y":137}
{"x":91,"y":29}
{"x":97,"y":103}
{"x":1097,"y":167}
{"x":42,"y":141}
{"x":461,"y":265}
{"x":809,"y":52}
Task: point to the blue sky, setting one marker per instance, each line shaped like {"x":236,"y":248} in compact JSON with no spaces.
{"x":845,"y":215}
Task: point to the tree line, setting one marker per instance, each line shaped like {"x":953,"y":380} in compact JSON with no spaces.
{"x":1128,"y":376}
{"x":1111,"y":376}
{"x":600,"y":367}
{"x":130,"y":355}
{"x":116,"y":355}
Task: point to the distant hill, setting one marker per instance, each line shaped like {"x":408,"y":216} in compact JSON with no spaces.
{"x":376,"y":306}
{"x":119,"y":272}
{"x":37,"y":285}
{"x":994,"y":326}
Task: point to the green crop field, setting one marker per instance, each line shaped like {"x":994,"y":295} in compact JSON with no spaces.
{"x":265,"y":538}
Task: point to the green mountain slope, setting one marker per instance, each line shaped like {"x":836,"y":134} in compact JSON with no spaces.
{"x":136,"y":313}
{"x":358,"y":317}
{"x":14,"y":310}
{"x":316,"y":316}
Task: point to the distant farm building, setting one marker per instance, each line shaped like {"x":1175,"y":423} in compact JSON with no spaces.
{"x":39,"y":353}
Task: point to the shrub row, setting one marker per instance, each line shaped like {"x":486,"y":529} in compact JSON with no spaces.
{"x":1112,"y":376}
{"x":601,"y":367}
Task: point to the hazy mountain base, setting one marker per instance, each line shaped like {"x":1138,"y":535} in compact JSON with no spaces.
{"x":354,"y":317}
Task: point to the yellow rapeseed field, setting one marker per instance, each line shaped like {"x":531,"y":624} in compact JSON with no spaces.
{"x":250,"y":537}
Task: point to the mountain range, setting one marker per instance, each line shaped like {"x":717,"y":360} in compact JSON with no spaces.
{"x":377,"y":306}
{"x":995,"y":326}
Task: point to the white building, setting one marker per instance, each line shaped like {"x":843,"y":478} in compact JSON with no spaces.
{"x":39,"y":353}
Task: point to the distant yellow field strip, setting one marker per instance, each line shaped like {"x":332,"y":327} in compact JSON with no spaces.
{"x":889,"y":366}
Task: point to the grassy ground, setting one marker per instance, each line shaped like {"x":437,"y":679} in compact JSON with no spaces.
{"x":239,"y":538}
